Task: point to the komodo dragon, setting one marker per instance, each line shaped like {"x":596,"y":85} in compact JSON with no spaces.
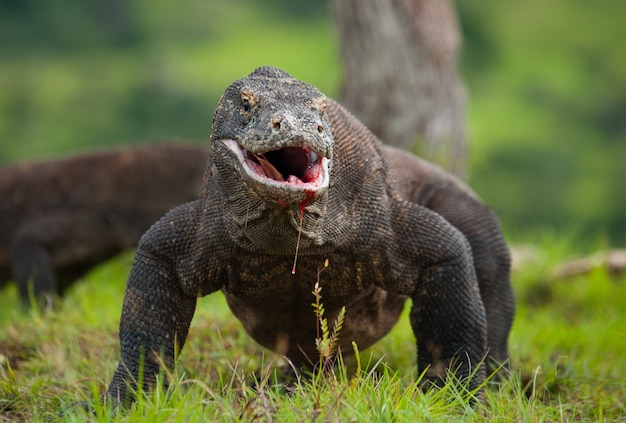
{"x":296,"y":180}
{"x":59,"y":218}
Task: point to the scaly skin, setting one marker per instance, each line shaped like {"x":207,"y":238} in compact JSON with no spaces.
{"x":59,"y":218}
{"x":281,"y":151}
{"x":430,"y":186}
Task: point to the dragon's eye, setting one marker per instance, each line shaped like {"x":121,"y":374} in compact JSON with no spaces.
{"x":246,"y":106}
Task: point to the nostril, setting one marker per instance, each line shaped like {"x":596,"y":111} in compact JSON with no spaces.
{"x":320,"y":128}
{"x":276,"y":124}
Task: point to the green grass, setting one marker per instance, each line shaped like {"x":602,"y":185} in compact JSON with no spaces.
{"x":567,"y":348}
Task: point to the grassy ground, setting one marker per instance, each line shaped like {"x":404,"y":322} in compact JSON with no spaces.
{"x":567,"y":348}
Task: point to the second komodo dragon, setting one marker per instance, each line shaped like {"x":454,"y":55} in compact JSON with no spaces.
{"x":296,"y":180}
{"x":59,"y":218}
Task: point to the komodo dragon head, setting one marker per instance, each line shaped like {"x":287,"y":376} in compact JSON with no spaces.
{"x":272,"y":148}
{"x":276,"y":131}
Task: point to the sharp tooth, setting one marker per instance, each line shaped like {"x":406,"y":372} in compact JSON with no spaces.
{"x":313,"y":158}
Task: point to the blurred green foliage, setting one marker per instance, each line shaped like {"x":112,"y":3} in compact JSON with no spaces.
{"x":548,"y":112}
{"x":547,"y":86}
{"x":110,"y":72}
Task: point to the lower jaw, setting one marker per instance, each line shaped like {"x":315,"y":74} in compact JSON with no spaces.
{"x":286,"y":196}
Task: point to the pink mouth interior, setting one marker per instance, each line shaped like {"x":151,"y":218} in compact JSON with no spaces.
{"x":290,"y":164}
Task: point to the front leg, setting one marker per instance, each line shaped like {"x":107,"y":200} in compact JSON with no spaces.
{"x":31,"y":264}
{"x":156,"y":315}
{"x":447,"y":316}
{"x":448,"y":320}
{"x":66,"y":241}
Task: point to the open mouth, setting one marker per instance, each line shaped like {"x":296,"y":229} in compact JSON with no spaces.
{"x":290,"y":164}
{"x":299,"y":167}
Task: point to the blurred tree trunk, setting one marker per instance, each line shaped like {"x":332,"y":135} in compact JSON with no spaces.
{"x":400,"y":75}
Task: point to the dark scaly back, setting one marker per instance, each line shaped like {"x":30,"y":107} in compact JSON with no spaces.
{"x":359,"y":179}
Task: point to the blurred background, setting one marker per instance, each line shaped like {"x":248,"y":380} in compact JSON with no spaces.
{"x":546,"y":84}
